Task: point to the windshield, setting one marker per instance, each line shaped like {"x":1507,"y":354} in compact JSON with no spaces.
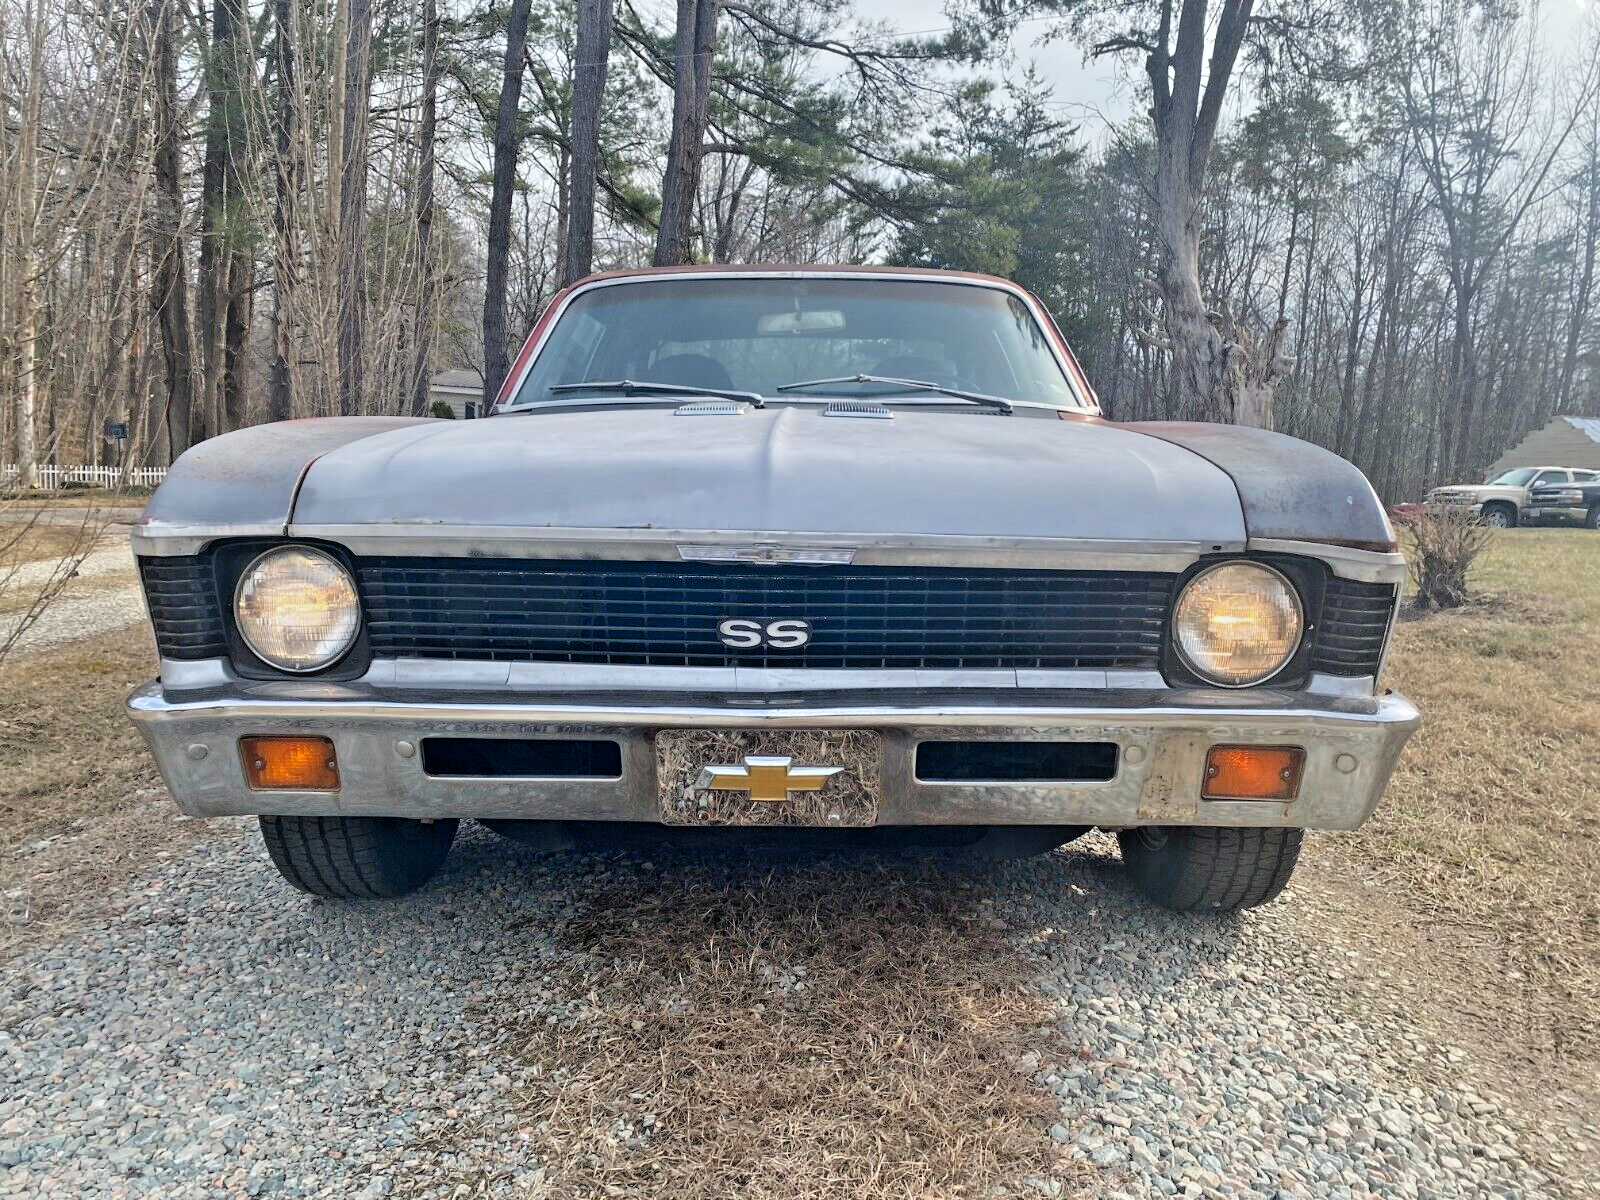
{"x":1517,"y":478}
{"x":756,"y":335}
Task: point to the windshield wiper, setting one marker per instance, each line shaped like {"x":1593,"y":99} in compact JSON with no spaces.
{"x":630,"y":387}
{"x":905,"y":385}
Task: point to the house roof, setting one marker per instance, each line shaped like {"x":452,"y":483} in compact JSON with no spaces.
{"x":1588,"y":426}
{"x":458,"y":378}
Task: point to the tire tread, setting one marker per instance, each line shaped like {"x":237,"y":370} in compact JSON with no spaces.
{"x":1220,"y":869}
{"x":356,"y":858}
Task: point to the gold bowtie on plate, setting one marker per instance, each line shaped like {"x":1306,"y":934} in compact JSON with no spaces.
{"x":767,"y":778}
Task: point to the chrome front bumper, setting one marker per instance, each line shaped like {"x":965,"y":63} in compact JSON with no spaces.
{"x":1351,"y":743}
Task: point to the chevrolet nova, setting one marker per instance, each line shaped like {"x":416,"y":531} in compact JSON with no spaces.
{"x":840,"y":554}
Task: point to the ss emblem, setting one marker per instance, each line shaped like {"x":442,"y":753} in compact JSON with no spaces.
{"x":775,"y":635}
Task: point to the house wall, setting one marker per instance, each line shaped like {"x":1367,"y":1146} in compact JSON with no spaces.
{"x":1558,"y":444}
{"x":457,"y":400}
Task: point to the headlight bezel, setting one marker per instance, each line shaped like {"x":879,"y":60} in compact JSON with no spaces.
{"x":249,"y":658}
{"x":1304,"y":589}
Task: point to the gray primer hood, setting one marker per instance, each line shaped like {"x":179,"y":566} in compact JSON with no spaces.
{"x":778,"y":470}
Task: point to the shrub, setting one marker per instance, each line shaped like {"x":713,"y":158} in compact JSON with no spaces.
{"x":1445,"y":541}
{"x":442,"y":409}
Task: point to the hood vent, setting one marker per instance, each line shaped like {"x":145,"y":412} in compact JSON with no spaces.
{"x":857,"y":408}
{"x":712,"y":408}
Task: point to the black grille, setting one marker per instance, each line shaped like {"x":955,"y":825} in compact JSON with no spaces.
{"x":1355,"y":619}
{"x":182,"y":595}
{"x":666,"y":614}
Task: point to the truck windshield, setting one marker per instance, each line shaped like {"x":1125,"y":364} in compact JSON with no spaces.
{"x":1515,"y":478}
{"x":758,"y":335}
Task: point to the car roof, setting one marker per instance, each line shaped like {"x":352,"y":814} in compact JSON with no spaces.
{"x":759,"y":269}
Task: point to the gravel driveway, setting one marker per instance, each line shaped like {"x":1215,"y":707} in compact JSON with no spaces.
{"x":104,"y":595}
{"x":215,"y":1034}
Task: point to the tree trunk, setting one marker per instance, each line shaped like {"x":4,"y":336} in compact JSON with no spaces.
{"x":1584,"y":291}
{"x":422,"y":368}
{"x":352,"y":279}
{"x":1219,"y":372}
{"x":693,"y":47}
{"x":588,"y":92}
{"x":496,"y":359}
{"x":1352,"y":352}
{"x":286,"y":247}
{"x":25,"y":253}
{"x":238,"y":302}
{"x":170,"y":279}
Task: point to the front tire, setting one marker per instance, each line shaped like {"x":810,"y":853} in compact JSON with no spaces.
{"x":1592,"y":521}
{"x":357,"y":858}
{"x":1195,"y":868}
{"x":1499,"y":516}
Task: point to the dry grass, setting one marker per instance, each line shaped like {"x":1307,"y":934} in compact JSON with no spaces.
{"x":890,"y":1065}
{"x":81,"y":805}
{"x":1492,"y":825}
{"x":38,"y":543}
{"x":131,"y":497}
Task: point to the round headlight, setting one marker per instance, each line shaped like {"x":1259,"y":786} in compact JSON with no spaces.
{"x":297,"y":609}
{"x":1237,"y":623}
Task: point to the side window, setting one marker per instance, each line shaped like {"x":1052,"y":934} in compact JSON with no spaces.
{"x":1585,"y":476}
{"x":1550,"y":477}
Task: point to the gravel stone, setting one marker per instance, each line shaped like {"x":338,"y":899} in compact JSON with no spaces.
{"x":217,"y":1034}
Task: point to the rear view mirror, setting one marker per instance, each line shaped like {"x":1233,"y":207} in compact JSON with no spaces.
{"x":801,"y":322}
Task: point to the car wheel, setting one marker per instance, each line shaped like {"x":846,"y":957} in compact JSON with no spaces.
{"x":1592,"y":521}
{"x":357,"y":858}
{"x":1192,"y":868}
{"x":1499,"y":516}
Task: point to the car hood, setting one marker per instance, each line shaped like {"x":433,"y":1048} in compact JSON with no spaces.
{"x":781,"y":470}
{"x":1472,"y":489}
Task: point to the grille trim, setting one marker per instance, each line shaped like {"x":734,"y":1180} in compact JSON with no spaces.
{"x":1354,"y":627}
{"x":665,"y":614}
{"x":1124,"y":625}
{"x":181,"y":594}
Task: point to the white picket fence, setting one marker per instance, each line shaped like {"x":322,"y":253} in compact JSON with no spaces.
{"x":55,"y":478}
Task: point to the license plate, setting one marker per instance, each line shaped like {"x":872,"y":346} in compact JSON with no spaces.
{"x":821,"y":777}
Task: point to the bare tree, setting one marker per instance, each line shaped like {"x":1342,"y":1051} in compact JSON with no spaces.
{"x":427,"y":268}
{"x":1473,"y":113}
{"x":352,"y":243}
{"x":286,"y":186}
{"x":170,"y":293}
{"x":593,"y":49}
{"x":693,"y":46}
{"x":496,"y":358}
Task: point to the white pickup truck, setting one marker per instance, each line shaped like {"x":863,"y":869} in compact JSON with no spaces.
{"x":1505,"y":500}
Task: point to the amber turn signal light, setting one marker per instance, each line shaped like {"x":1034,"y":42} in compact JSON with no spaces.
{"x":1253,"y":772}
{"x":300,"y":764}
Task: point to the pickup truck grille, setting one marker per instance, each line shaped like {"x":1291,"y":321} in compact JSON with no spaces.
{"x":666,"y":614}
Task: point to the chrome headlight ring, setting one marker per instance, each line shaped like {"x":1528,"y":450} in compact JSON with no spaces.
{"x":297,"y":609}
{"x":1239,"y":609}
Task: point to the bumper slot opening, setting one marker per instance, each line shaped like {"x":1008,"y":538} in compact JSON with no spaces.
{"x":522,"y":758}
{"x":1016,"y":762}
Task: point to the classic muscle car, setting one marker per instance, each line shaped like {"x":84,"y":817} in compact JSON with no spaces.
{"x":841,"y":554}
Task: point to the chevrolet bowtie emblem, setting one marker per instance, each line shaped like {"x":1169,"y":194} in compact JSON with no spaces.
{"x":767,"y":778}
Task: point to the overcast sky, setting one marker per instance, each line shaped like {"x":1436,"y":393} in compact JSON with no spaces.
{"x":1091,"y":92}
{"x":1109,"y":90}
